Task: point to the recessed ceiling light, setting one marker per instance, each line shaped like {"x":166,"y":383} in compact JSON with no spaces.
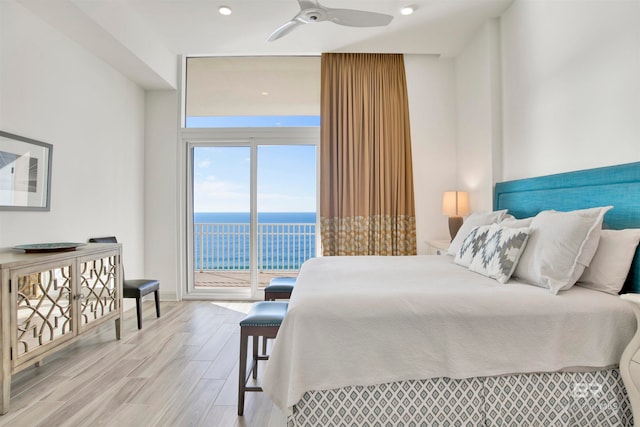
{"x":224,"y":10}
{"x":264,"y":93}
{"x":406,"y":10}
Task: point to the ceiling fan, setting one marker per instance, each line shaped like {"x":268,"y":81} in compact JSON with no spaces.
{"x":311,"y":11}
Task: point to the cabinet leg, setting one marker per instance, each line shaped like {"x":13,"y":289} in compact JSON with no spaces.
{"x":6,"y":394}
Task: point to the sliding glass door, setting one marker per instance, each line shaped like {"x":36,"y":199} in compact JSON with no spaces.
{"x":252,"y":211}
{"x":286,"y":204}
{"x":221,"y":217}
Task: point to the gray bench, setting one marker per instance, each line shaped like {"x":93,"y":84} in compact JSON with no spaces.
{"x":264,"y":320}
{"x":279,"y":288}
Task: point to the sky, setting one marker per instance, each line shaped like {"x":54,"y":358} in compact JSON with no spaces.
{"x":286,"y":178}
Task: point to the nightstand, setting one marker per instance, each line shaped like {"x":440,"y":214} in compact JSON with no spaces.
{"x":438,"y":247}
{"x":630,"y":360}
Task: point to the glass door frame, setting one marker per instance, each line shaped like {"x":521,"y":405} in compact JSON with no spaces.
{"x":237,"y":137}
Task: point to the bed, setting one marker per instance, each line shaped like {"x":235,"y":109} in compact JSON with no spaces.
{"x":424,"y":341}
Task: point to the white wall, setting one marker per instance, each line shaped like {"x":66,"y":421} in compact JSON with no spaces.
{"x":571,"y":84}
{"x":54,"y":91}
{"x":479,"y":119}
{"x":431,"y":89}
{"x":161,"y":183}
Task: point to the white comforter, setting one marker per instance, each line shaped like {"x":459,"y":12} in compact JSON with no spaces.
{"x":373,"y":320}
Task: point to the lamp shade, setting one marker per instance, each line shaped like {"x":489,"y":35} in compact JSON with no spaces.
{"x":455,"y":203}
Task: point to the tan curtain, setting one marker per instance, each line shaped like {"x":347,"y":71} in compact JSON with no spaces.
{"x":366,"y":177}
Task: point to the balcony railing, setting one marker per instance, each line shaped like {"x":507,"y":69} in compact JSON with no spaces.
{"x":225,"y":247}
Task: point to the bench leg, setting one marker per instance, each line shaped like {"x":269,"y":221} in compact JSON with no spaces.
{"x":242,"y":371}
{"x":255,"y":356}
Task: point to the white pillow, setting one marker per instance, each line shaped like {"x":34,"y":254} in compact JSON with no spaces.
{"x":476,"y":219}
{"x":610,"y":265}
{"x":493,"y":250}
{"x":561,"y":245}
{"x":511,"y":222}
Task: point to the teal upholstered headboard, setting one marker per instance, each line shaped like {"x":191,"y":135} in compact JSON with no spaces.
{"x":618,"y":186}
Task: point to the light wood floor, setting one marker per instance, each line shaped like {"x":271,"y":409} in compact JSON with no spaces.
{"x":179,"y":370}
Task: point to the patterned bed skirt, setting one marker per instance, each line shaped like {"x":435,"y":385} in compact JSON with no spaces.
{"x":596,"y":398}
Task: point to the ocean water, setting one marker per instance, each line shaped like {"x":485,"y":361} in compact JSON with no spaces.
{"x":285,"y":240}
{"x":263,"y":217}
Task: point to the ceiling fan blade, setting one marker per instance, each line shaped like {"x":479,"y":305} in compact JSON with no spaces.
{"x":358,"y":18}
{"x":309,"y":4}
{"x":283,"y":30}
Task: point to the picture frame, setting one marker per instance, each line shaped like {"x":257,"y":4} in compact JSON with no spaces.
{"x":25,"y":173}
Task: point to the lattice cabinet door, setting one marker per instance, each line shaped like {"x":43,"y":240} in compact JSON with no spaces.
{"x":98,"y":289}
{"x":43,"y":310}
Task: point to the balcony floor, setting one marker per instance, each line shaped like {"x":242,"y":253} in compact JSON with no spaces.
{"x":235,"y":279}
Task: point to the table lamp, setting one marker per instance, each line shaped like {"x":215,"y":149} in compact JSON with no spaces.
{"x":455,"y":204}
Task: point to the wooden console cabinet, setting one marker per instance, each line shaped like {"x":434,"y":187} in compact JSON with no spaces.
{"x":49,"y":300}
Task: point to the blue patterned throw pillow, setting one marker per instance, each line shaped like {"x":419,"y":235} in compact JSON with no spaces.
{"x":493,"y":250}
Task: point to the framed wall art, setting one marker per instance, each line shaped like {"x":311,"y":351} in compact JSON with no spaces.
{"x":25,"y":173}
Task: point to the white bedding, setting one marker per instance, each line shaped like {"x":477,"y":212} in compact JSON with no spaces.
{"x":373,"y":320}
